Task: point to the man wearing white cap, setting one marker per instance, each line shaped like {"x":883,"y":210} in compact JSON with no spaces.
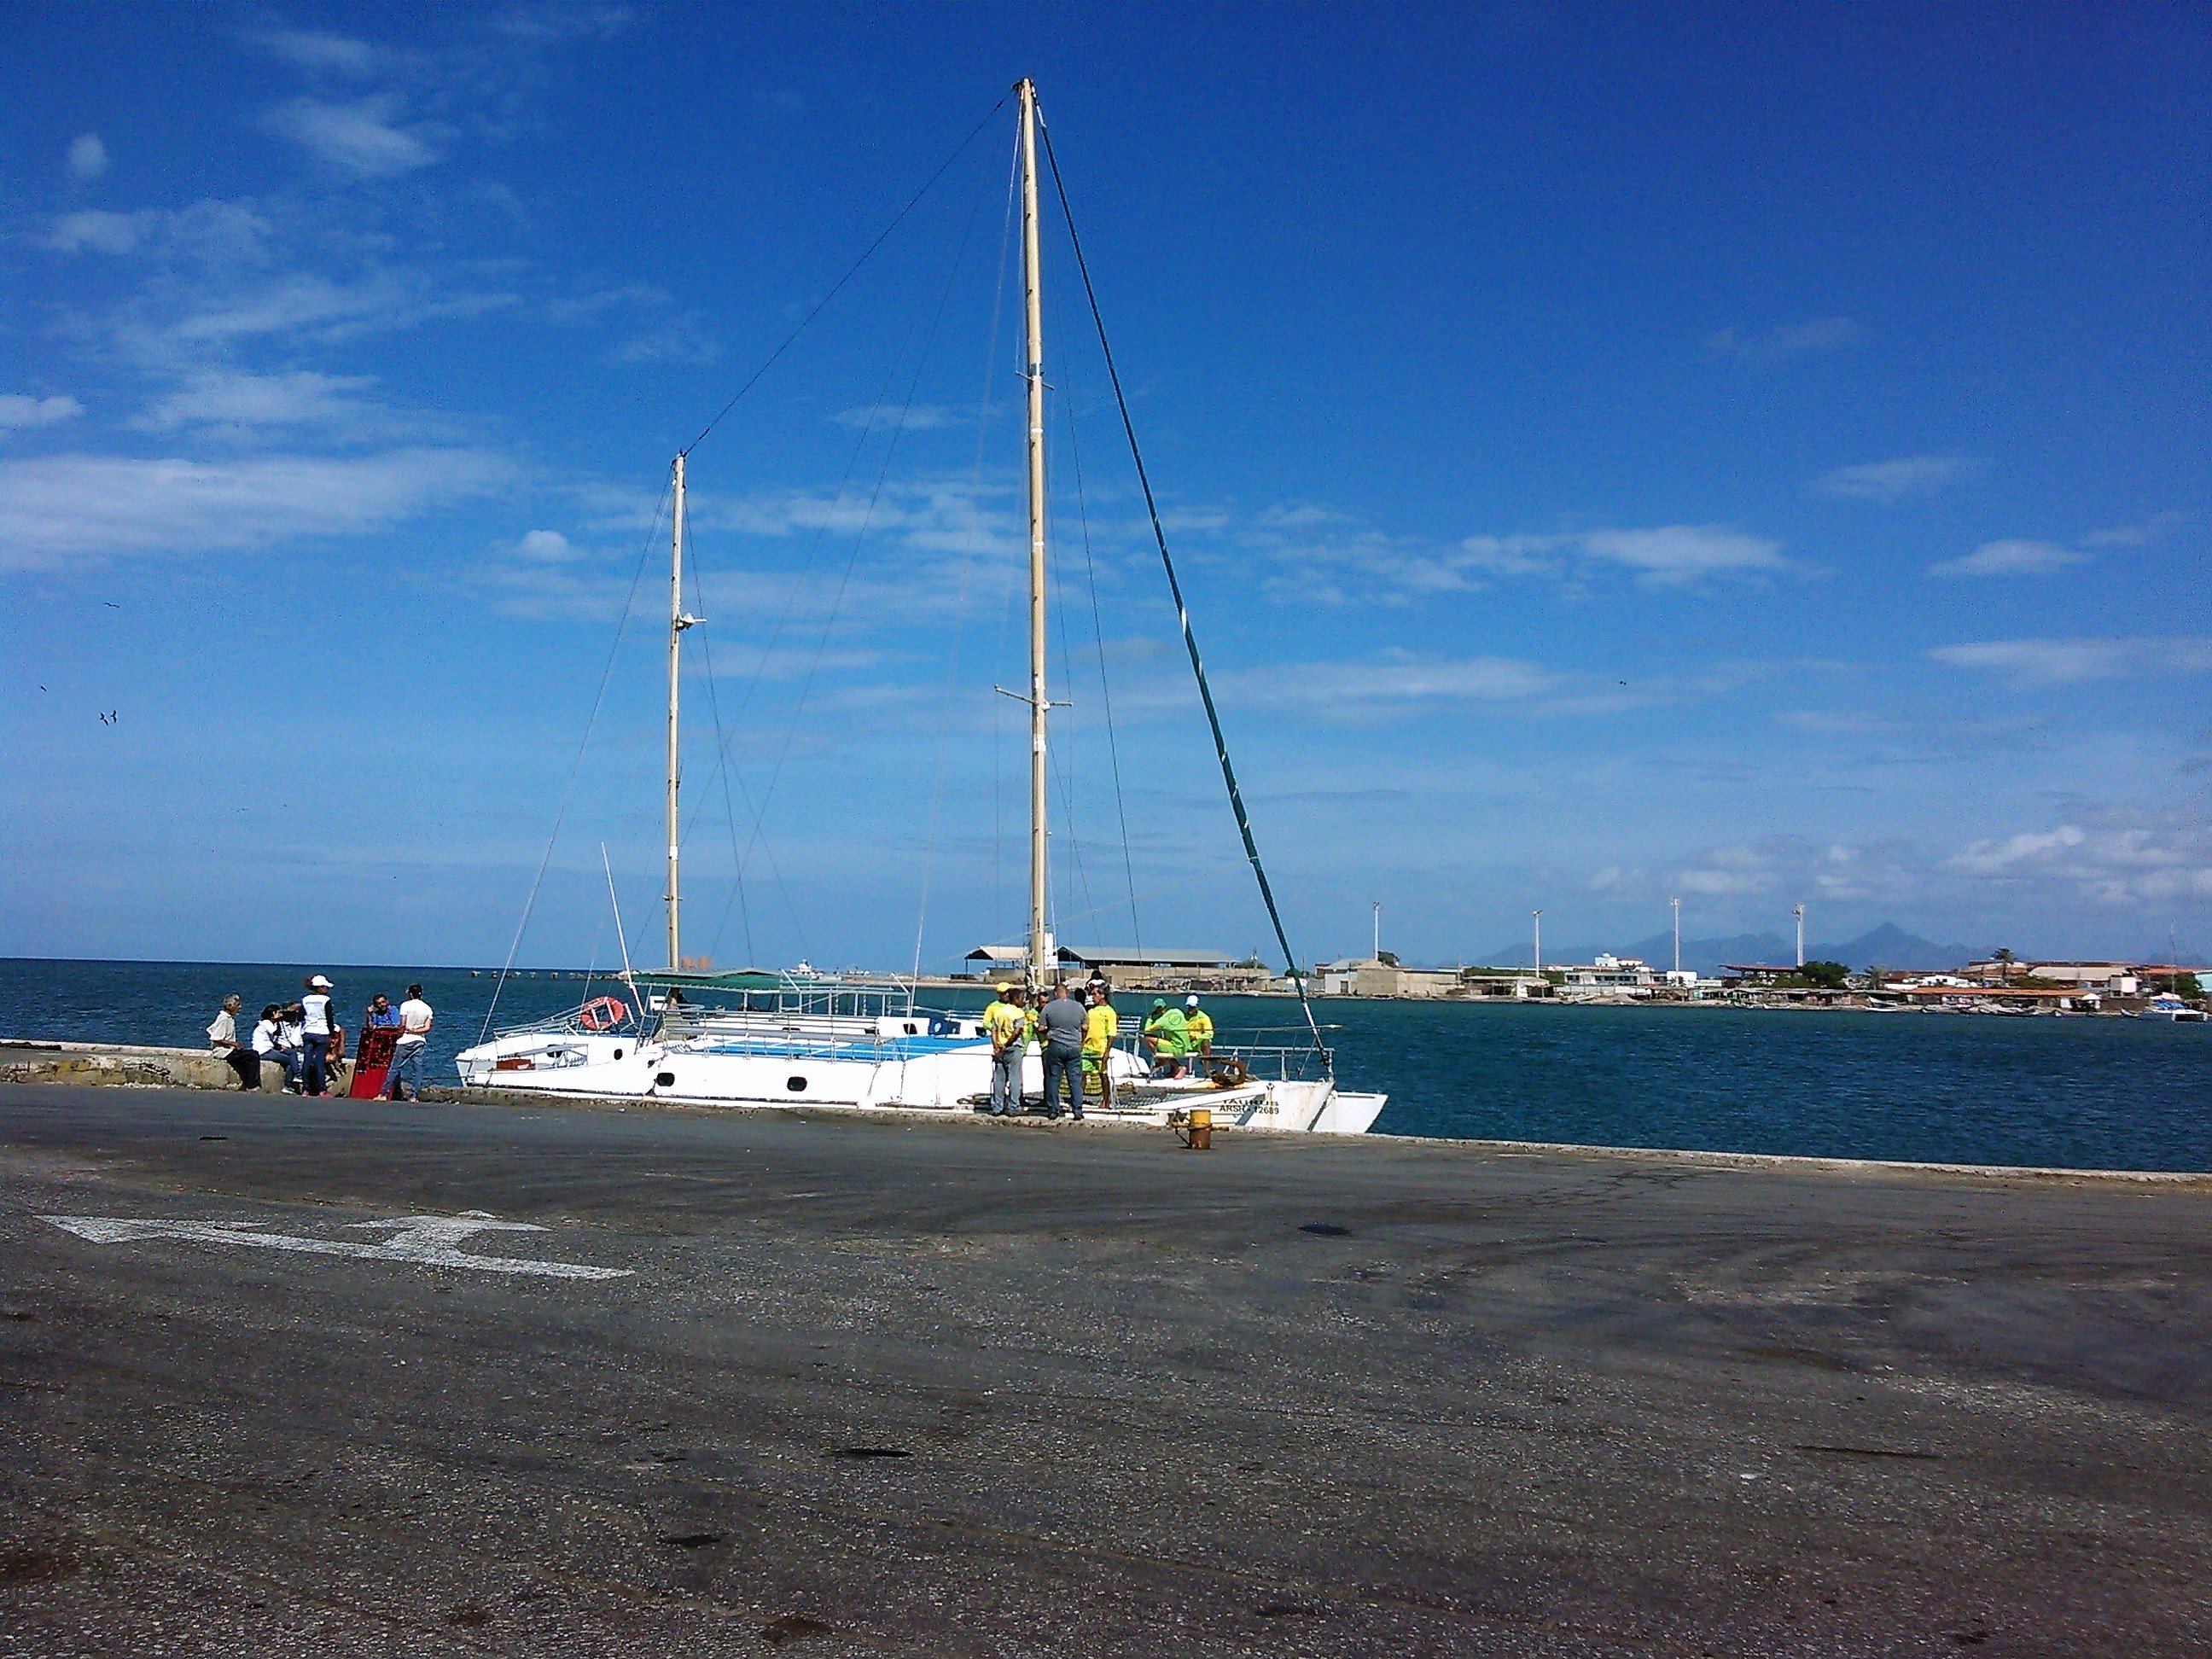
{"x":1198,"y":1031}
{"x":315,"y":1027}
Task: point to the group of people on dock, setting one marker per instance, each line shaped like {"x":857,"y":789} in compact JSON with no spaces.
{"x":1075,"y":1030}
{"x":304,"y":1038}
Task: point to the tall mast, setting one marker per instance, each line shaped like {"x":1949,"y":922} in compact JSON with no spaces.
{"x":1041,"y":966}
{"x":677,"y":622}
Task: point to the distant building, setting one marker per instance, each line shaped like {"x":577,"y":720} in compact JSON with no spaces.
{"x":1755,"y":973}
{"x":1631,"y":975}
{"x":986,"y":960}
{"x":1152,"y":968}
{"x":2120,"y":978}
{"x":1369,"y":977}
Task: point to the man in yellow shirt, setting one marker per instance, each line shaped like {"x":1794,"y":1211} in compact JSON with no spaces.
{"x":1198,"y":1031}
{"x":1099,"y":1026}
{"x":1007,"y":1023}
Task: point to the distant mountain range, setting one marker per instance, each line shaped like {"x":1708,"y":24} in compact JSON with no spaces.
{"x":1887,"y":946}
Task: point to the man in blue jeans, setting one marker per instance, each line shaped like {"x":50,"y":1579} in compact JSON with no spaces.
{"x":1060,"y":1026}
{"x":1007,"y":1023}
{"x":414,"y":1042}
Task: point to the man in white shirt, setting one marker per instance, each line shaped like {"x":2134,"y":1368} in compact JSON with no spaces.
{"x":414,"y":1040}
{"x":222,"y":1038}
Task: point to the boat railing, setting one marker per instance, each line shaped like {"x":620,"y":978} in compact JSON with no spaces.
{"x":1258,"y":1062}
{"x":828,"y":996}
{"x":574,"y":1022}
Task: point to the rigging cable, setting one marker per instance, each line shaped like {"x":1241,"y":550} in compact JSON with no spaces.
{"x":852,"y":271}
{"x":969,"y":559}
{"x":867,"y":517}
{"x":1183,"y":611}
{"x":1098,"y":633}
{"x":721,"y":765}
{"x":576,"y":765}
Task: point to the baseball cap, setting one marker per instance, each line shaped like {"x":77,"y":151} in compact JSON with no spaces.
{"x":1159,"y":1002}
{"x":1002,"y":987}
{"x":319,"y":983}
{"x":1190,"y":1002}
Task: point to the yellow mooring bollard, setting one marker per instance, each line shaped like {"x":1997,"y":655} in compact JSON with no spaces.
{"x":1199,"y":1137}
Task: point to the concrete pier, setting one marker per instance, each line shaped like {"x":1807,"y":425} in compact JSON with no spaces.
{"x":898,"y":1385}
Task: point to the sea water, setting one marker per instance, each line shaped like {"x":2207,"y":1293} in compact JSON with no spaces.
{"x":2088,"y":1093}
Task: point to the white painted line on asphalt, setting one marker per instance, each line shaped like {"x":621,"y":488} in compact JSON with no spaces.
{"x":421,"y":1241}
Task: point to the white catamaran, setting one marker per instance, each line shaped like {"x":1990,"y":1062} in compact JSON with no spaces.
{"x":802,"y":1038}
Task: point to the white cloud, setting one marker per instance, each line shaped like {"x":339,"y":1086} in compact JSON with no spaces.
{"x":18,"y":411}
{"x":2009,"y":558}
{"x":918,"y":417}
{"x":87,"y":156}
{"x":1892,"y":480}
{"x":361,"y":136}
{"x":219,"y":234}
{"x":546,"y":547}
{"x":1791,"y":340}
{"x":319,"y":52}
{"x":95,"y":230}
{"x":73,"y":506}
{"x":682,"y":339}
{"x":305,"y":303}
{"x":2030,"y":663}
{"x":226,"y":398}
{"x":1678,"y":554}
{"x":1327,"y":557}
{"x":1413,"y":679}
{"x":2137,"y":535}
{"x":1783,"y":867}
{"x":562,"y":20}
{"x":2125,"y":860}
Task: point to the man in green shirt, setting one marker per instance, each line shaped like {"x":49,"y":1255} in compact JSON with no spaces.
{"x":1168,"y":1037}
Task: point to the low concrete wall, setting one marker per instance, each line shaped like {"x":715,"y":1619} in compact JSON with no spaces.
{"x":24,"y":1061}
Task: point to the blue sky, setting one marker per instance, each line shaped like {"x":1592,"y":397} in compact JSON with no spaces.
{"x":1753,"y":454}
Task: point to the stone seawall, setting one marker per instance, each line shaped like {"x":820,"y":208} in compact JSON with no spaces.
{"x":26,"y":1061}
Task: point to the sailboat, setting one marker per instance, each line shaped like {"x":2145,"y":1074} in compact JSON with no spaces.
{"x":802,"y":1038}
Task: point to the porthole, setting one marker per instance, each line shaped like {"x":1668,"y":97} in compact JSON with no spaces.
{"x":664,"y":1080}
{"x":617,"y":1054}
{"x":913,"y":1029}
{"x":796,"y":1085}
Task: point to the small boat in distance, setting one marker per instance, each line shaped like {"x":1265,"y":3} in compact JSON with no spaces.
{"x":803,"y":1038}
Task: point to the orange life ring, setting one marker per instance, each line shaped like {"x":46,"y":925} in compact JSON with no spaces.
{"x":602,"y":1013}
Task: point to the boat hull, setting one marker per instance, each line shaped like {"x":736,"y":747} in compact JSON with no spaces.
{"x":897,"y":1074}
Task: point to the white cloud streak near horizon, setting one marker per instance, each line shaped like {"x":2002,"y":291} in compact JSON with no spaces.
{"x":2010,"y":558}
{"x":1892,"y":480}
{"x":1779,"y":345}
{"x":361,"y":136}
{"x":2034,"y":664}
{"x":19,"y":410}
{"x":58,"y":507}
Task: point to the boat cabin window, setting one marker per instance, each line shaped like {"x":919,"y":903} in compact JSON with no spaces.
{"x":796,"y":1085}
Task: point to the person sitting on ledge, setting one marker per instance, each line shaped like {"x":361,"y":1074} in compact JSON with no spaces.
{"x":222,"y":1037}
{"x":269,"y":1044}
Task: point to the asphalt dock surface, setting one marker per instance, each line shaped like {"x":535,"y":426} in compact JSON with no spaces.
{"x":891,"y":1386}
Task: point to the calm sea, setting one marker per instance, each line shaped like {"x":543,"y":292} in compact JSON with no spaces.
{"x":2088,"y":1093}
